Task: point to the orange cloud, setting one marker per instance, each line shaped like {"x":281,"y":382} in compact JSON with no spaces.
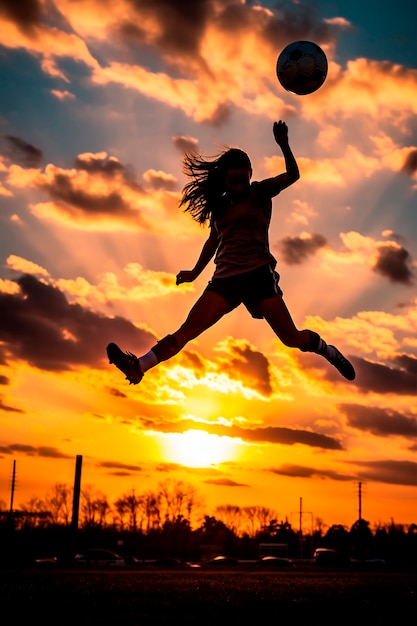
{"x":159,"y":179}
{"x":62,"y":95}
{"x":379,"y":91}
{"x":141,"y":284}
{"x":225,"y":57}
{"x":47,"y":42}
{"x":100,"y":193}
{"x":19,"y":264}
{"x":369,"y":332}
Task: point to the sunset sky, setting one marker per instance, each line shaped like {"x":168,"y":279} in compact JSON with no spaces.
{"x":99,"y":101}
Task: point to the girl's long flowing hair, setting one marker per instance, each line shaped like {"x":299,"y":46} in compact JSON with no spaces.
{"x":203,"y":194}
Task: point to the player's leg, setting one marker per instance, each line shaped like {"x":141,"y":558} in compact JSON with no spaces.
{"x":208,"y":309}
{"x":279,"y":318}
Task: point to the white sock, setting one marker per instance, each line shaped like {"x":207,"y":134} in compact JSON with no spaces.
{"x":147,"y":361}
{"x":325,"y":350}
{"x":321,"y":348}
{"x":331,"y":352}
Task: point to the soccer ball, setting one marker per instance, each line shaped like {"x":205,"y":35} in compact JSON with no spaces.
{"x":302,"y":67}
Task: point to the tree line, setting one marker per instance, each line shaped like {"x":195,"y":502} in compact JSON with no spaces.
{"x":170,"y":522}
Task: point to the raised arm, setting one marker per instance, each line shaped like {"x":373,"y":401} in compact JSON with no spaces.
{"x":292,"y":173}
{"x":207,"y":253}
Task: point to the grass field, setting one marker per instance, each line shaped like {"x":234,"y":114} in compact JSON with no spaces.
{"x":128,"y":598}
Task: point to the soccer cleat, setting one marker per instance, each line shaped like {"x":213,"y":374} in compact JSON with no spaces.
{"x":126,"y":362}
{"x":342,"y":364}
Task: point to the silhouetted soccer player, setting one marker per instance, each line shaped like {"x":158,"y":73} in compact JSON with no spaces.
{"x":220,"y":192}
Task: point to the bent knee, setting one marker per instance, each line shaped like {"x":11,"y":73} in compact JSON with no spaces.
{"x":302,"y":340}
{"x":291,"y":341}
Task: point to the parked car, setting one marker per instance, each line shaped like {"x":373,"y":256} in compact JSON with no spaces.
{"x":132,"y":561}
{"x":99,"y":557}
{"x":275,"y":561}
{"x":328,"y":557}
{"x":221,"y":561}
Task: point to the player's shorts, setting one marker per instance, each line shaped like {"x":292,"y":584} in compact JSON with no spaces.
{"x":248,"y":288}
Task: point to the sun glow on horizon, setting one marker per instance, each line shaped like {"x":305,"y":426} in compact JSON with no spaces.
{"x":196,"y":448}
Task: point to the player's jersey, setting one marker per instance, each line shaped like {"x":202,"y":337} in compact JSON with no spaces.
{"x":242,"y":230}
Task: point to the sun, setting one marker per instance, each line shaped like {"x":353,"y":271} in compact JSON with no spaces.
{"x":196,"y":448}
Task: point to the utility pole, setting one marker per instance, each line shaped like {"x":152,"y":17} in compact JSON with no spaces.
{"x":77,"y":491}
{"x":300,"y":532}
{"x":75,"y":505}
{"x":360,"y":493}
{"x":13,"y":487}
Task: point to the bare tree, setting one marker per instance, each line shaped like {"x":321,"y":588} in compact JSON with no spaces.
{"x":59,"y":502}
{"x":178,"y":498}
{"x":129,"y":506}
{"x":151,"y":507}
{"x":230,"y":515}
{"x":34,"y":513}
{"x":250,"y":516}
{"x":121,"y":508}
{"x":257,"y":518}
{"x":94,"y":507}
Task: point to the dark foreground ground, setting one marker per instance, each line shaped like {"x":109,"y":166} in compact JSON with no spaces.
{"x":200,"y":597}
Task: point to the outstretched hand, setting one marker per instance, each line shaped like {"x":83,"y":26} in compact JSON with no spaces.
{"x":280,"y":132}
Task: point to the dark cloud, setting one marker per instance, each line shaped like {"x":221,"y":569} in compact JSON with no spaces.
{"x":24,"y":13}
{"x":408,"y":364}
{"x":407,"y":304}
{"x":174,"y":467}
{"x":181,"y":25}
{"x":300,"y":471}
{"x":192,"y":359}
{"x":251,"y":366}
{"x":117,"y":393}
{"x":380,"y":378}
{"x":109,"y":167}
{"x":370,"y":376}
{"x":224,"y":482}
{"x":160,"y":180}
{"x":394,"y":262}
{"x":119,"y":466}
{"x":9,"y":409}
{"x":410,"y":163}
{"x":220,"y":115}
{"x":290,"y":436}
{"x":43,"y":451}
{"x":76,"y":201}
{"x":39,"y":326}
{"x":184,"y":143}
{"x":4,"y":380}
{"x":271,"y":434}
{"x":390,"y":472}
{"x":21,"y":152}
{"x":380,"y":421}
{"x":283,"y":23}
{"x":295,"y":250}
{"x":75,"y":198}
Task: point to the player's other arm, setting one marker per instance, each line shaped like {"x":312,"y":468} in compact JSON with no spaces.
{"x":207,"y":253}
{"x":292,"y":173}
